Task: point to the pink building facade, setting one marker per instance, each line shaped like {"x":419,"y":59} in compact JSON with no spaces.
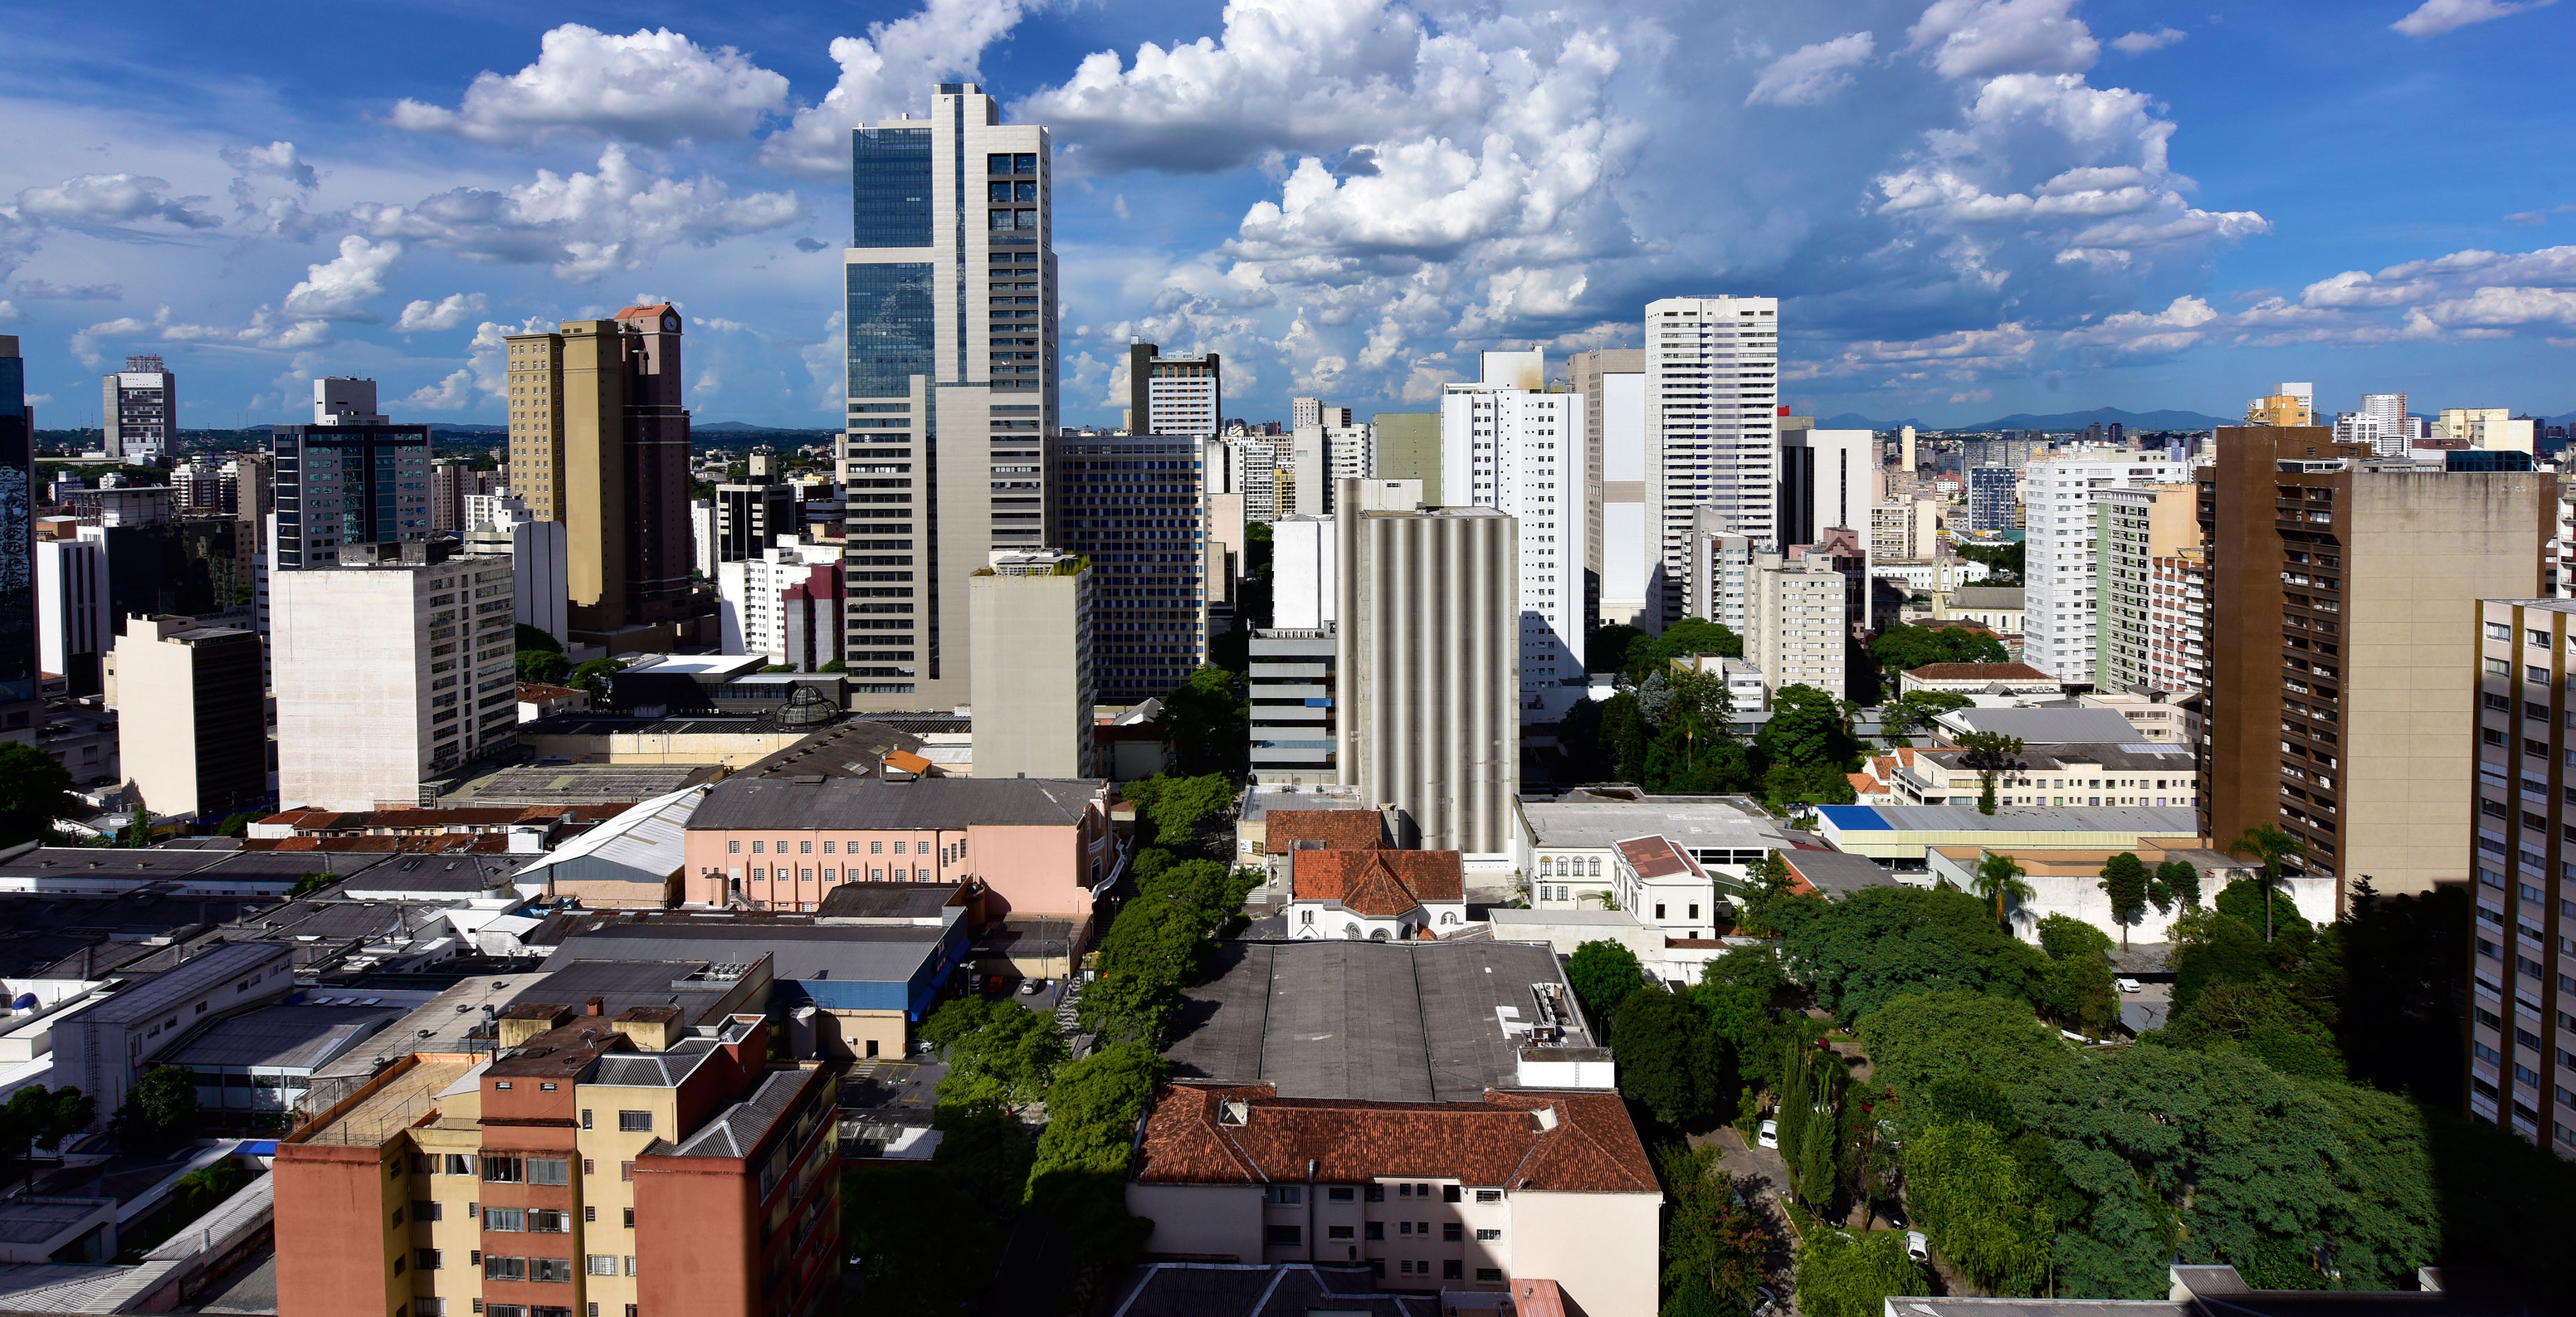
{"x":1039,"y":846}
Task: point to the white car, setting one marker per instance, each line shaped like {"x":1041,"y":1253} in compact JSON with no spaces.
{"x":1770,"y":1136}
{"x":2128,"y":985}
{"x":1917,"y":1247}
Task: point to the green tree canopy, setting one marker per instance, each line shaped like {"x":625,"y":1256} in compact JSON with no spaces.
{"x":2065,"y":935}
{"x":1713,"y":1248}
{"x":594,"y":677}
{"x":1919,"y":1041}
{"x":39,"y":1117}
{"x":1901,"y":648}
{"x":1174,"y":811}
{"x":1603,"y":974}
{"x":2124,"y":880}
{"x":2246,"y":900}
{"x":35,"y":790}
{"x":543,"y":667}
{"x":1808,"y":727}
{"x":1909,"y":714}
{"x":1207,"y":722}
{"x":1606,"y":649}
{"x":2180,"y":882}
{"x":997,"y":1051}
{"x":534,"y":638}
{"x":1990,"y":1221}
{"x":1880,"y":943}
{"x":1663,"y":1049}
{"x":1989,"y":755}
{"x":1843,"y":1274}
{"x":1079,"y":1174}
{"x":160,"y":1111}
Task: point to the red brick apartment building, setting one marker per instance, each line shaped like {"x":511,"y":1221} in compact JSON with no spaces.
{"x":596,"y":1167}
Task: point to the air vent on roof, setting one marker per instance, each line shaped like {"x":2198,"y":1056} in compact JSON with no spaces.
{"x":1545,"y":1117}
{"x":1234,"y":1113}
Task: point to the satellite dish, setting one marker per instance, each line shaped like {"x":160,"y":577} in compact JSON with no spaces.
{"x":25,"y":1001}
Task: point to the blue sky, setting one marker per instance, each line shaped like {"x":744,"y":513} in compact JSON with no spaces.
{"x":1971,"y":207}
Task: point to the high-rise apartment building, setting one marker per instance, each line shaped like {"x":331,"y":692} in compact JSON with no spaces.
{"x":1828,"y":478}
{"x":2364,"y":428}
{"x":1795,"y":623}
{"x":1174,"y":395}
{"x":1507,"y":444}
{"x":1426,"y":669}
{"x":72,"y":632}
{"x":2288,"y":404}
{"x":350,"y":477}
{"x":2342,"y":638}
{"x":754,"y":515}
{"x":1295,"y":710}
{"x":191,"y":717}
{"x":950,"y":283}
{"x":1132,"y":506}
{"x":1322,"y":455}
{"x":1721,"y":571}
{"x":1620,"y":546}
{"x":599,"y":440}
{"x":2396,"y":426}
{"x":1033,"y":691}
{"x":19,"y":646}
{"x":640,"y":1161}
{"x":138,"y":411}
{"x":2058,"y":599}
{"x":391,"y":668}
{"x":2009,"y":451}
{"x":1712,"y":394}
{"x":498,"y":525}
{"x":1994,"y":498}
{"x":1408,"y":448}
{"x":2148,"y":634}
{"x":451,"y":482}
{"x":2521,"y":1075}
{"x":769,"y":600}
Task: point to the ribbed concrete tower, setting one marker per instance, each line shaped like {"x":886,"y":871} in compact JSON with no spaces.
{"x":1429,"y":664}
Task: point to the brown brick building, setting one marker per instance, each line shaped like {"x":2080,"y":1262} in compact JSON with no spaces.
{"x":596,"y":1166}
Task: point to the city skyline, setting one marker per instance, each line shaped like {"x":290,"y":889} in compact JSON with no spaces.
{"x":1967,"y":209}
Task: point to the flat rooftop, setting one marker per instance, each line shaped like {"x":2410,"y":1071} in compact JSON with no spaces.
{"x":580,"y":784}
{"x":391,"y":1109}
{"x":1378,"y":1021}
{"x":865,"y":953}
{"x":1693,"y":825}
{"x":300,"y":1037}
{"x":2009,"y":818}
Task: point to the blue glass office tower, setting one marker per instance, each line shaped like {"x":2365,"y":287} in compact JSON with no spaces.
{"x":18,"y":652}
{"x":1131,"y":505}
{"x":950,"y":283}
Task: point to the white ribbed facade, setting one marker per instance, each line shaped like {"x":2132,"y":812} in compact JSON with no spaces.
{"x":1522,"y":452}
{"x":1712,"y":397}
{"x":2058,"y":588}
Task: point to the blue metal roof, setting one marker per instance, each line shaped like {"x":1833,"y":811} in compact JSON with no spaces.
{"x":1855,"y":818}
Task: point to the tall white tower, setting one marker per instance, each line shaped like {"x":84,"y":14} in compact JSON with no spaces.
{"x":1712,"y":409}
{"x":1509,"y":444}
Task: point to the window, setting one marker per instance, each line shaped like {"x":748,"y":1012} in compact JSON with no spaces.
{"x":549,"y":1221}
{"x":1340,"y":1193}
{"x":550,"y":1269}
{"x":1451,"y":1269}
{"x":1489,"y":1235}
{"x":456,"y":1163}
{"x":1283,"y":1235}
{"x":1449,"y":1193}
{"x":600,"y":1264}
{"x":423,"y":1209}
{"x":509,"y":1219}
{"x":635,"y":1122}
{"x":1451,"y":1232}
{"x":1659,"y":910}
{"x":424,"y":1259}
{"x":503,"y":1170}
{"x":2499,"y":631}
{"x":1337,"y":1232}
{"x":1287,"y":1195}
{"x":1489,"y":1273}
{"x":876,"y":848}
{"x":630,"y":1214}
{"x":505,"y":1268}
{"x":1376,"y":1230}
{"x":733,"y":848}
{"x":549,"y":1170}
{"x":1489,"y":1195}
{"x":804,"y":848}
{"x":759,"y":848}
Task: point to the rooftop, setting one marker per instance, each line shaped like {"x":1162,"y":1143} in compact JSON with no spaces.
{"x":580,"y":784}
{"x":1592,"y":820}
{"x":1258,"y":801}
{"x":889,"y":900}
{"x":300,"y":1037}
{"x":1381,"y":1021}
{"x":739,"y":1130}
{"x":1246,"y":1134}
{"x":865,"y":953}
{"x":849,"y":749}
{"x":1986,"y":596}
{"x":1835,"y":873}
{"x":2009,"y":818}
{"x":806,"y":803}
{"x":1244,"y":1289}
{"x":2056,"y":726}
{"x":2015,"y":672}
{"x":1352,"y":828}
{"x":1656,"y":857}
{"x":1378,"y":883}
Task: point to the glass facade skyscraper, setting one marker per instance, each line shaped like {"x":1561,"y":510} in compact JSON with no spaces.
{"x":18,"y":641}
{"x":950,"y":282}
{"x":1131,"y":506}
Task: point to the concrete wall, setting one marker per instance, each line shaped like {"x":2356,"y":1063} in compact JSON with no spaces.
{"x":1033,"y":695}
{"x":1200,"y":1220}
{"x":338,"y":1202}
{"x":1600,"y":1248}
{"x":1030,"y":870}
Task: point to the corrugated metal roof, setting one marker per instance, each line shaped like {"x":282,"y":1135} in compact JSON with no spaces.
{"x":648,"y":838}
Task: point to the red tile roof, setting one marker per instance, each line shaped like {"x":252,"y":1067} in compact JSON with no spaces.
{"x":647,"y":312}
{"x":1336,"y":829}
{"x":1978,"y":672}
{"x":1586,"y":1144}
{"x":1657,"y":857}
{"x":1380,"y":884}
{"x":535,"y":691}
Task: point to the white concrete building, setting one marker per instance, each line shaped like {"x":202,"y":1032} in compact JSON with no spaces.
{"x":1721,"y":570}
{"x":1507,"y":445}
{"x":1628,"y":549}
{"x":749,"y":614}
{"x":1711,"y":409}
{"x":499,"y":524}
{"x":1828,"y":478}
{"x":1301,"y":573}
{"x":139,"y":412}
{"x":1323,"y":453}
{"x":1795,"y":624}
{"x":2396,"y":428}
{"x":191,"y":731}
{"x":72,"y":626}
{"x":1033,"y":693}
{"x":2059,"y":592}
{"x":390,"y":670}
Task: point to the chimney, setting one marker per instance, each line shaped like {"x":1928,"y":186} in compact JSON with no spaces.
{"x":598,"y":1006}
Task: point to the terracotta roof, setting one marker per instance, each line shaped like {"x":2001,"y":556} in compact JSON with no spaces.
{"x":1864,"y":783}
{"x":1335,"y":829}
{"x":435,"y":843}
{"x":1656,"y":857}
{"x":1381,"y":884}
{"x":1979,"y":672}
{"x":642,"y":312}
{"x":1586,"y":1144}
{"x":537,"y":690}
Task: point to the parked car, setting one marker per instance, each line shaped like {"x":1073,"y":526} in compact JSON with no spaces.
{"x":1917,"y":1247}
{"x":1765,"y":1301}
{"x":1031,"y":987}
{"x":2129,"y":985}
{"x":1770,"y":1136}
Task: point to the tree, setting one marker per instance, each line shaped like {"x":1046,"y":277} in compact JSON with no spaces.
{"x":1713,"y":1248}
{"x":594,"y":678}
{"x":997,"y":1051}
{"x":1623,"y":738}
{"x":1808,"y":726}
{"x":543,"y":667}
{"x":1767,"y":883}
{"x":1207,"y":722}
{"x":1606,"y":649}
{"x":137,"y":832}
{"x":2181,"y":881}
{"x":1989,"y":1220}
{"x":2079,"y":993}
{"x":1918,"y":1042}
{"x":1881,"y":943}
{"x":2273,"y":848}
{"x":1988,"y":754}
{"x":1174,"y":811}
{"x":1841,"y":1274}
{"x":1662,"y":1047}
{"x":35,"y":790}
{"x":1603,"y":974}
{"x":2065,"y":935}
{"x":37,"y":1117}
{"x":1079,"y":1174}
{"x":1910,"y":713}
{"x":2124,"y":880}
{"x":1901,"y":648}
{"x":1998,"y":877}
{"x":2246,"y":899}
{"x":534,"y":638}
{"x":237,"y":823}
{"x":160,"y":1111}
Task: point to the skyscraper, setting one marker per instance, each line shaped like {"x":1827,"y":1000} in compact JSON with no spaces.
{"x":2060,"y":617}
{"x":1712,"y":394}
{"x":138,"y":412}
{"x":1619,"y":549}
{"x":950,"y":284}
{"x":1507,"y":444}
{"x":1826,"y":480}
{"x":599,"y":441}
{"x":1174,"y":395}
{"x":348,"y":478}
{"x":1131,"y":504}
{"x":2396,"y":428}
{"x":18,"y":697}
{"x":1033,"y":692}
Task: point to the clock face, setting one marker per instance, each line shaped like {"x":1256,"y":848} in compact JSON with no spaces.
{"x":671,"y":323}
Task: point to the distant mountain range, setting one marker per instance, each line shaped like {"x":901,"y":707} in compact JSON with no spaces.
{"x":2057,"y":421}
{"x":743,"y":427}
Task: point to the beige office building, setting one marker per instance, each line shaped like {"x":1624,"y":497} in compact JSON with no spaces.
{"x":392,"y":668}
{"x":1794,"y":623}
{"x":2149,"y":616}
{"x":191,"y":726}
{"x":1030,"y":615}
{"x":1408,"y":448}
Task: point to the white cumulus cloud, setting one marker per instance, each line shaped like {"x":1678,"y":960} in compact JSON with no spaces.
{"x":886,"y":72}
{"x":446,"y":313}
{"x":1976,"y":38}
{"x":47,"y":288}
{"x":653,"y":86}
{"x":114,"y":199}
{"x":1811,"y":75}
{"x":2435,"y":17}
{"x":338,"y":289}
{"x":2140,"y":43}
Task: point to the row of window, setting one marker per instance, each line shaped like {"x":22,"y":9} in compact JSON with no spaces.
{"x":874,"y":848}
{"x":1450,"y":1232}
{"x":1291,"y":1195}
